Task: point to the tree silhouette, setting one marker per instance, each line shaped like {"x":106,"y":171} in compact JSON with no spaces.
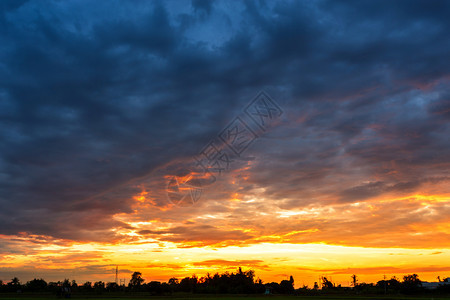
{"x":136,"y":280}
{"x":411,"y":283}
{"x":87,"y":285}
{"x":326,"y":284}
{"x":99,"y":285}
{"x":189,"y":284}
{"x":354,"y":280}
{"x":74,"y":284}
{"x":239,"y":282}
{"x":112,"y":286}
{"x":391,"y":285}
{"x":66,"y":283}
{"x":286,"y":286}
{"x":36,"y":285}
{"x":15,"y":282}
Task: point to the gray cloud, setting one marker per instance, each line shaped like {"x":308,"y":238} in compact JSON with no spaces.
{"x":95,"y":97}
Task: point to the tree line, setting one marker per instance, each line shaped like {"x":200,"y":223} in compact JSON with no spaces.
{"x":239,"y":282}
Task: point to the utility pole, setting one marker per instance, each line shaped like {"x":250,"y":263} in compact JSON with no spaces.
{"x":117,"y":275}
{"x":384,"y":276}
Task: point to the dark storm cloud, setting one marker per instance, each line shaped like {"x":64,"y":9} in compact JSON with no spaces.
{"x":95,"y":95}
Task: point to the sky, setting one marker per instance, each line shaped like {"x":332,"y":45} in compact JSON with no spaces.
{"x":106,"y":105}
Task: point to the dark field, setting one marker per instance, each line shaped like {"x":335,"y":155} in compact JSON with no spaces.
{"x":224,"y":297}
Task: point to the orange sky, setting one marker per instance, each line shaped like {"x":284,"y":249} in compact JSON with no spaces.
{"x":334,"y":117}
{"x":393,"y":235}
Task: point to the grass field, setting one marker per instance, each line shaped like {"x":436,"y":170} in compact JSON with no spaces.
{"x":224,"y":297}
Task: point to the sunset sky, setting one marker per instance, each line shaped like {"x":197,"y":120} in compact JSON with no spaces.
{"x":103,"y":104}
